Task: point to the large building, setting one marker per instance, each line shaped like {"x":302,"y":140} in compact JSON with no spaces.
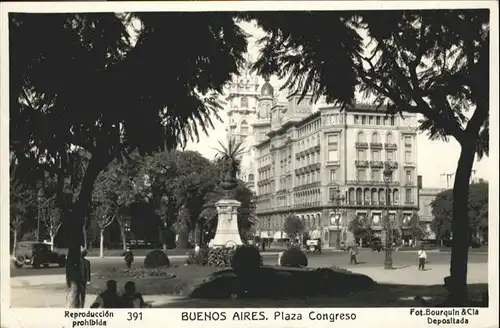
{"x":425,"y":199}
{"x":326,"y":166}
{"x":245,"y":100}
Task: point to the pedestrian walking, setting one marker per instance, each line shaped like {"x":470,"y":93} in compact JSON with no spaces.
{"x":128,"y":256}
{"x":353,"y":252}
{"x":85,"y":276}
{"x":422,"y":257}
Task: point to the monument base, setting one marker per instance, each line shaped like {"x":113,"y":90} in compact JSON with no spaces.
{"x":227,"y":233}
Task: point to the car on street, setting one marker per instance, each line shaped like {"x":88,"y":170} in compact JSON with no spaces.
{"x":37,"y":254}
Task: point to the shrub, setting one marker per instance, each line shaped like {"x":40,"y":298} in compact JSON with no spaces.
{"x":294,"y":257}
{"x":246,"y":258}
{"x":219,"y":257}
{"x":156,"y":259}
{"x":201,"y":258}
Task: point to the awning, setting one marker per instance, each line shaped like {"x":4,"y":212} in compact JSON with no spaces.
{"x":280,"y":235}
{"x":265,"y":234}
{"x":315,"y":234}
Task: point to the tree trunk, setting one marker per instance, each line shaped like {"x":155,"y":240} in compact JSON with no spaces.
{"x":75,"y":220}
{"x":84,"y":236}
{"x":101,"y":243}
{"x":14,"y":247}
{"x":52,"y":237}
{"x":460,"y":226}
{"x":124,"y":238}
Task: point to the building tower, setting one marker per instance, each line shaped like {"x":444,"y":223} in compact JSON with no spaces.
{"x":242,"y":98}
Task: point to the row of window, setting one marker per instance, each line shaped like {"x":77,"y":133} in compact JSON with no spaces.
{"x":375,"y":196}
{"x":309,"y":127}
{"x":375,"y":120}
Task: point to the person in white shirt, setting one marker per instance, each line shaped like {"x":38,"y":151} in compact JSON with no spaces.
{"x":422,"y":257}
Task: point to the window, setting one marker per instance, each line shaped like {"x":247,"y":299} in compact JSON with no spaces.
{"x":313,"y":176}
{"x":408,"y":156}
{"x":244,"y":102}
{"x":356,"y":119}
{"x":333,"y":175}
{"x":386,"y":120}
{"x":333,"y":193}
{"x":363,"y":119}
{"x":408,"y":141}
{"x":408,"y":196}
{"x":375,"y":175}
{"x":390,"y":155}
{"x":244,"y":127}
{"x":361,"y":136}
{"x":388,"y":138}
{"x":393,"y":120}
{"x":371,"y":120}
{"x":361,"y":175}
{"x":333,"y":139}
{"x":408,"y":176}
{"x":333,"y":155}
{"x":375,"y":137}
{"x":378,"y":120}
{"x":375,"y":155}
{"x":361,"y":155}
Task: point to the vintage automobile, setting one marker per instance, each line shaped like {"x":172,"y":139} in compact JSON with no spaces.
{"x":313,"y":245}
{"x":37,"y":254}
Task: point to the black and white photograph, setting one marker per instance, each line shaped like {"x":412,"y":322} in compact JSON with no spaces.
{"x":325,"y":157}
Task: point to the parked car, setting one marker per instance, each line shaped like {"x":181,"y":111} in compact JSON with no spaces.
{"x":37,"y":254}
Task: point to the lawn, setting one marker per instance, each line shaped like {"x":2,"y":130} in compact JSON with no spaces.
{"x":383,"y":296}
{"x":175,"y":280}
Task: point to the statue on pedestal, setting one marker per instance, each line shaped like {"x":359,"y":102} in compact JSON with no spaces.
{"x":227,"y":233}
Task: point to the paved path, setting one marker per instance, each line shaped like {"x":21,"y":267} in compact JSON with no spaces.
{"x":47,"y":291}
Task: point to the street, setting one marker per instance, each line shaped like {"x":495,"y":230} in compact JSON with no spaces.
{"x":366,"y":258}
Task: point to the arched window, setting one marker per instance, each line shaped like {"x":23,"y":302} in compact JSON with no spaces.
{"x":361,"y":136}
{"x":251,"y":177}
{"x":359,"y":196}
{"x":375,"y":137}
{"x":244,"y":127}
{"x":244,"y":102}
{"x":374,"y":197}
{"x":351,"y":196}
{"x":395,"y":196}
{"x":388,"y":137}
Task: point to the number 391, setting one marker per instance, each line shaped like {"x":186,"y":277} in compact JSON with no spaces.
{"x":134,"y":316}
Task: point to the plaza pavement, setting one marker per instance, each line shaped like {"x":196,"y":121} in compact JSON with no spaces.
{"x":47,"y":291}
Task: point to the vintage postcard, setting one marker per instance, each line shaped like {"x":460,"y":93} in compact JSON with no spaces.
{"x":253,"y":163}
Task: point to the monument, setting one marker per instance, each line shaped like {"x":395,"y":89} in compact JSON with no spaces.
{"x":227,"y":233}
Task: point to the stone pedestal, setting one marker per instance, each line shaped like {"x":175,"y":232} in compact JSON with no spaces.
{"x":227,"y":234}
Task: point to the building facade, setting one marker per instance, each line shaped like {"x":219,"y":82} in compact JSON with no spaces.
{"x":246,"y":105}
{"x":327,"y":167}
{"x":425,"y":199}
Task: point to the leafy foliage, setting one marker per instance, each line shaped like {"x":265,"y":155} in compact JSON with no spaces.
{"x":200,"y":258}
{"x":156,"y":259}
{"x":229,"y":158}
{"x":294,"y":257}
{"x":477,"y":212}
{"x":220,"y":257}
{"x":360,"y":228}
{"x":246,"y":259}
{"x":293,"y":226}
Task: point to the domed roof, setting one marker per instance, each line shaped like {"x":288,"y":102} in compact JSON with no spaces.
{"x":267,"y":89}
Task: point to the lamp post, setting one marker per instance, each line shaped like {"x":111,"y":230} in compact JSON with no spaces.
{"x":40,"y":197}
{"x":337,"y":200}
{"x":388,"y":230}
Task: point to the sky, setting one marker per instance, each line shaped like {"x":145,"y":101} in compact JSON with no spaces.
{"x":435,"y":158}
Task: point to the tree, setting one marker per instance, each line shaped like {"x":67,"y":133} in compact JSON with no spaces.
{"x":477,"y":213}
{"x":22,"y":199}
{"x":434,"y":63}
{"x":116,"y":104}
{"x":360,"y":228}
{"x":116,"y":186}
{"x":51,"y":218}
{"x":293,"y":226}
{"x":416,"y":229}
{"x":104,"y":212}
